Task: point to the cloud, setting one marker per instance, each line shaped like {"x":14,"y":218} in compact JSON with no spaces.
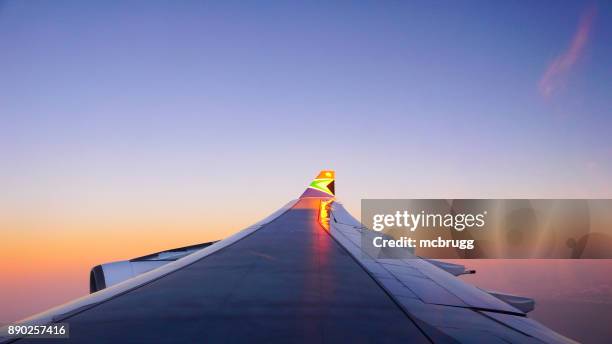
{"x":555,"y":75}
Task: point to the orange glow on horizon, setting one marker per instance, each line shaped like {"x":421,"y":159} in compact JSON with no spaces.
{"x":45,"y":259}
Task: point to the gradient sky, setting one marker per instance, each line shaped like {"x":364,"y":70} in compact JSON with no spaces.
{"x":136,"y":126}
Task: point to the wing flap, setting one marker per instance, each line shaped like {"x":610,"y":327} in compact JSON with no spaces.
{"x":437,"y":300}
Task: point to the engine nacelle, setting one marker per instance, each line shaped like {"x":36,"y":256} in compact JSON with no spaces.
{"x":109,"y":274}
{"x":106,"y":275}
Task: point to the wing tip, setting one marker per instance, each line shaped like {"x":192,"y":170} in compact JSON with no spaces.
{"x":323,"y":186}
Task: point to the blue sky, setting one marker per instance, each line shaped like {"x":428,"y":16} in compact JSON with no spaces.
{"x":120,"y":103}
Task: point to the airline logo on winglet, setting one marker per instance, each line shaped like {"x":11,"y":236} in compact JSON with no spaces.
{"x":322,"y":186}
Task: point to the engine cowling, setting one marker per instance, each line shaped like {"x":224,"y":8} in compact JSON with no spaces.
{"x":105,"y":275}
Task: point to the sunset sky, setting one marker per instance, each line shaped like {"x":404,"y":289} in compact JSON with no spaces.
{"x":132,"y":127}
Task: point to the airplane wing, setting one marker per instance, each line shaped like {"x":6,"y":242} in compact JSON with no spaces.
{"x":299,"y":276}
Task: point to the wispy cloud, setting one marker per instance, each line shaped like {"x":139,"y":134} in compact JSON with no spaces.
{"x":555,"y":75}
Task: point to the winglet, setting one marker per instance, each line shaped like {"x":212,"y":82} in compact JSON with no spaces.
{"x":323,"y":186}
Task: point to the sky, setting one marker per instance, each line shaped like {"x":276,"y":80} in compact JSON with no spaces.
{"x":128,"y":127}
